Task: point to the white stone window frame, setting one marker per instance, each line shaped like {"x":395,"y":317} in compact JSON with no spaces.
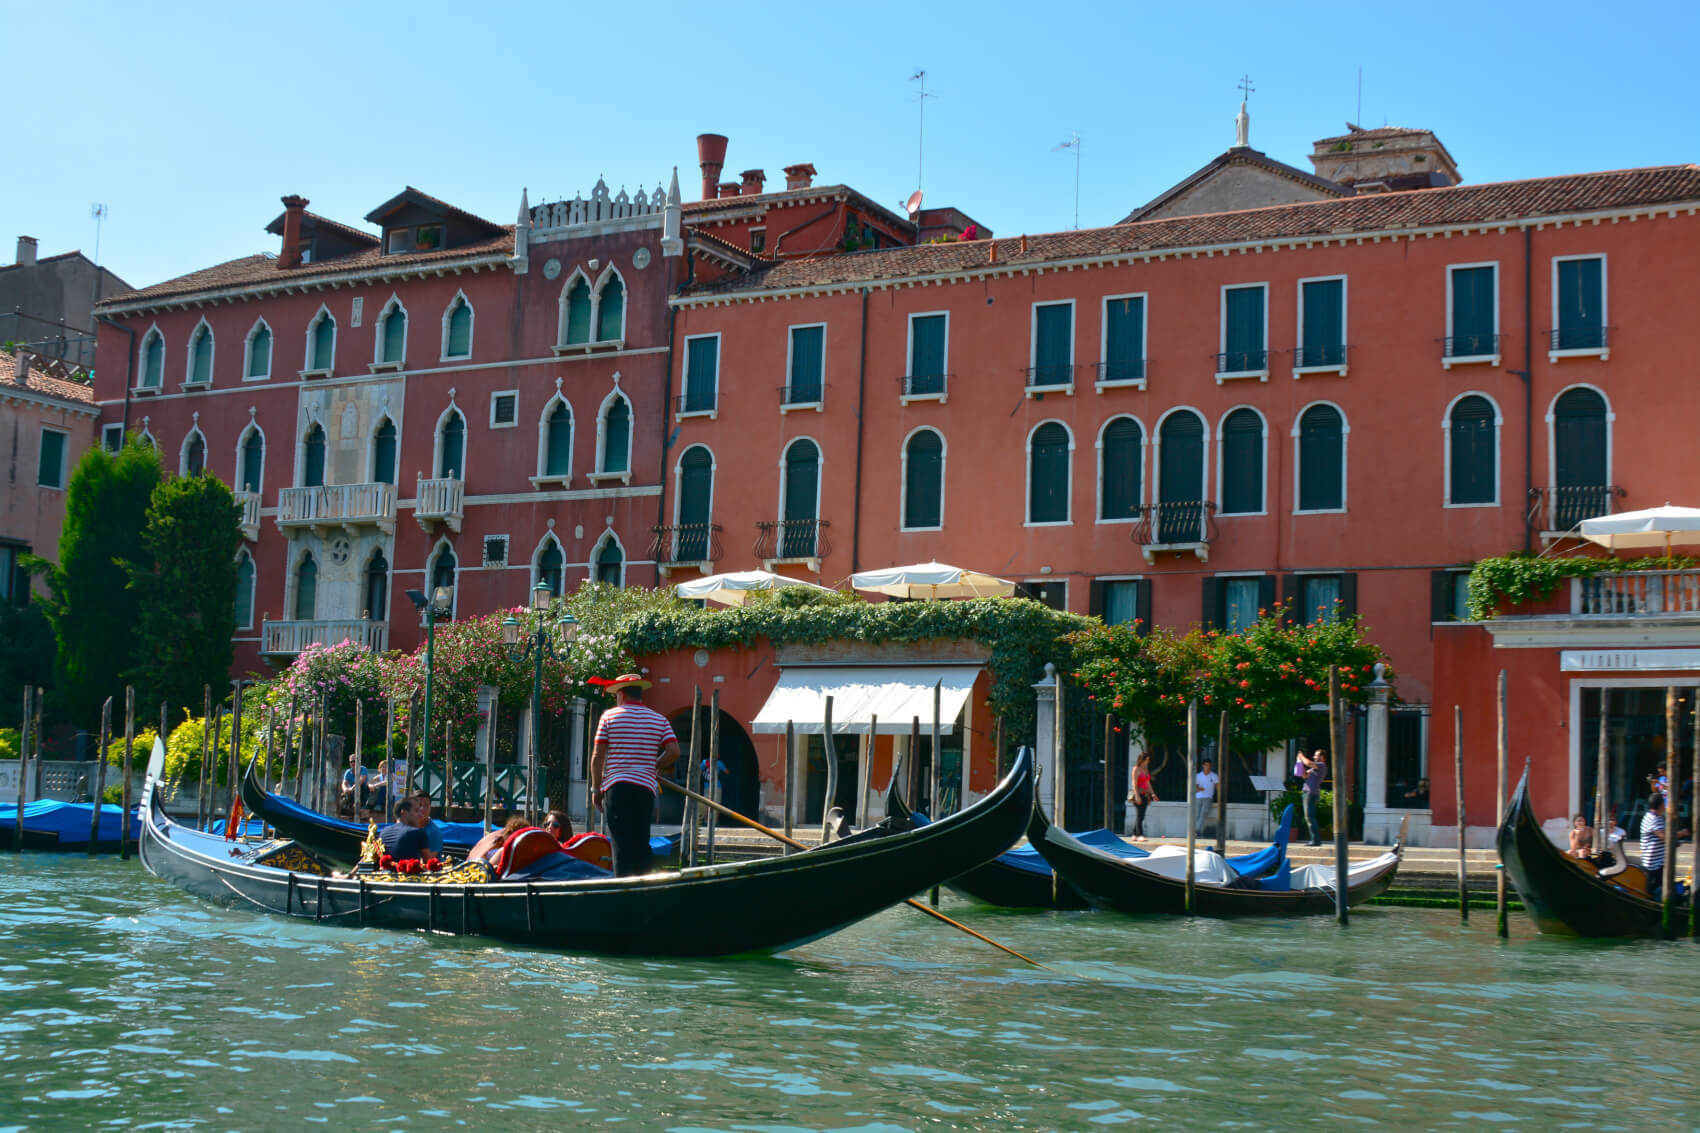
{"x":443,"y":418}
{"x":495,"y":398}
{"x":1098,"y":475}
{"x":595,"y":563}
{"x":1144,"y":297}
{"x":507,"y":548}
{"x":1601,"y":352}
{"x":679,"y":495}
{"x":1345,"y":326}
{"x":1027,"y":477}
{"x":549,"y":539}
{"x":1262,"y":472}
{"x":108,"y":432}
{"x":1448,"y":361}
{"x":310,"y":420}
{"x":713,"y":412}
{"x":292,"y":584}
{"x":189,"y":381}
{"x":1204,"y":465}
{"x":597,"y":475}
{"x":444,"y":543}
{"x":611,"y":272}
{"x":544,"y":478}
{"x":1067,"y":389}
{"x":1345,"y":461}
{"x":248,"y":351}
{"x":247,"y":621}
{"x":903,"y":480}
{"x":460,"y":298}
{"x":152,"y":334}
{"x":820,"y":469}
{"x":380,"y":330}
{"x":562,"y":346}
{"x":370,"y":454}
{"x":819,"y":404}
{"x":1446,"y":451}
{"x":1223,"y":376}
{"x":183,"y":449}
{"x":909,"y":359}
{"x":1552,"y":438}
{"x":251,"y":429}
{"x":310,"y":370}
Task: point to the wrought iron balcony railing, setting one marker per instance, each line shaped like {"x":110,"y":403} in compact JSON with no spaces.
{"x":676,"y":543}
{"x":696,"y":400}
{"x":1054,"y":374}
{"x":792,"y":539}
{"x":1579,"y":338}
{"x":924,"y":385}
{"x":1242,"y":361}
{"x":1333,"y":354}
{"x":1470,"y":346}
{"x":1175,"y":522}
{"x":1562,"y":508}
{"x":1122,"y":370}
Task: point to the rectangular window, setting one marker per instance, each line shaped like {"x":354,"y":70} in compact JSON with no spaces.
{"x":1122,"y":601}
{"x":1579,"y":304}
{"x":1052,"y":592}
{"x":397,"y":242}
{"x":495,"y":550}
{"x":504,"y":409}
{"x":112,"y":437}
{"x":50,"y":470}
{"x":428,"y":237}
{"x":1322,"y":323}
{"x":1124,"y":339}
{"x":758,"y":240}
{"x":1233,"y":604}
{"x":1243,"y":331}
{"x":928,"y":339}
{"x":14,"y":583}
{"x":1053,"y":345}
{"x":1450,"y":596}
{"x":1321,"y":597}
{"x":803,"y":384}
{"x":702,"y":374}
{"x":1473,"y":316}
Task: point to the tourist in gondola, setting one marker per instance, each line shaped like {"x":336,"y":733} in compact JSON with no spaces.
{"x":1581,"y":838}
{"x":633,"y":744}
{"x":433,"y":830}
{"x":1144,"y":793}
{"x":557,"y":823}
{"x":405,"y":838}
{"x":487,"y":847}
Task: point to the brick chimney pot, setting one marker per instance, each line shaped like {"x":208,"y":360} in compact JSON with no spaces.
{"x":293,"y":207}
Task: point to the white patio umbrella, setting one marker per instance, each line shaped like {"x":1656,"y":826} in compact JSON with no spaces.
{"x":1651,"y":527}
{"x":932,"y":580}
{"x":734,"y":587}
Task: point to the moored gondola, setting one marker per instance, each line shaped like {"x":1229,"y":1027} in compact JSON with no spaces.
{"x":766,"y":905}
{"x":1157,"y":883}
{"x":50,"y":824}
{"x":1568,"y":896}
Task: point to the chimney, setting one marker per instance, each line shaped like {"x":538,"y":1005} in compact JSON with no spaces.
{"x":21,"y":363}
{"x":711,"y":155}
{"x":293,"y":207}
{"x":799,"y":176}
{"x":26,"y":251}
{"x":730,"y":188}
{"x":753,"y":181}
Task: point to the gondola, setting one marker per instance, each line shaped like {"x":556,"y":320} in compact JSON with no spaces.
{"x":1157,"y":882}
{"x":1568,"y":896}
{"x":50,"y":824}
{"x":1020,"y":878}
{"x":766,"y":905}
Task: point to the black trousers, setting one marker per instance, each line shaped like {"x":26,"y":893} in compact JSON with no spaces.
{"x":1139,"y":818}
{"x":629,"y":807}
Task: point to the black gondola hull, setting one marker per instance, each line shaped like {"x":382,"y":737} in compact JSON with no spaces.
{"x":757,"y":906}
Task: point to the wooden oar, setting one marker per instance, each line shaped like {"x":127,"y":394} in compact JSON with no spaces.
{"x":792,"y":842}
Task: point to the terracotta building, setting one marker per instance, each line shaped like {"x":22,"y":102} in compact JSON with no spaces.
{"x":46,"y":424}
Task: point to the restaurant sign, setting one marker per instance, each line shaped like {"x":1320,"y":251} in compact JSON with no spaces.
{"x":1618,"y":660}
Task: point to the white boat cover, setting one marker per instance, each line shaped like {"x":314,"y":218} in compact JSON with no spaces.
{"x":1322,"y":876}
{"x":895,"y":694}
{"x":1209,"y":867}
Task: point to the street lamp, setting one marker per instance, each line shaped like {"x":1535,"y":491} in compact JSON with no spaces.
{"x":537,"y":643}
{"x":439,"y":605}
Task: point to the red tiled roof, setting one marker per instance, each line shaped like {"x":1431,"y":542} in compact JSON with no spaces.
{"x":262,"y":269}
{"x":692,"y":209}
{"x":45,"y":384}
{"x":351,"y":234}
{"x":1359,"y":134}
{"x":725,"y":249}
{"x":1240,"y":156}
{"x":1461,"y":205}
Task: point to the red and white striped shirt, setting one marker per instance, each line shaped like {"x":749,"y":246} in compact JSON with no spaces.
{"x":635,"y":735}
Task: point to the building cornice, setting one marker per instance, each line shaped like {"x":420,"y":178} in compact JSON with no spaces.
{"x":19,"y":395}
{"x":1560,"y":631}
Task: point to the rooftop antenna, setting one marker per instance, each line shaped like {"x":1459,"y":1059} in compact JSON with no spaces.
{"x":98,"y":212}
{"x":1073,"y":143}
{"x":1359,"y":116}
{"x":920,"y":76}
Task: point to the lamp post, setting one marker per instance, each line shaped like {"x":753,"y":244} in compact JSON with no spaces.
{"x":439,"y":604}
{"x":537,"y":643}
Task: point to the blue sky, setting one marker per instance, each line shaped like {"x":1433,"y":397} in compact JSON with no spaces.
{"x":189,"y":121}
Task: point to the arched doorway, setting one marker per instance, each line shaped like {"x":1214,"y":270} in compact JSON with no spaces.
{"x":740,"y":782}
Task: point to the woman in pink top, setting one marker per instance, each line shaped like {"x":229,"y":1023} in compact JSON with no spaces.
{"x":1144,"y":793}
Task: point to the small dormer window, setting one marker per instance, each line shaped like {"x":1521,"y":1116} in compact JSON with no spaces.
{"x":397,"y":241}
{"x":428,"y":237}
{"x":420,"y":238}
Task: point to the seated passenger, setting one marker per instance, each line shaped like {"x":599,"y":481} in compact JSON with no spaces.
{"x":487,"y":847}
{"x":1581,"y":838}
{"x":558,"y":824}
{"x":405,"y":837}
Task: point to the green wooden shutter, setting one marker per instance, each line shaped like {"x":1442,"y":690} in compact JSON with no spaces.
{"x":306,"y":589}
{"x":1324,"y":324}
{"x":1180,"y":479}
{"x":153,"y":363}
{"x":1321,"y":460}
{"x":1243,"y":343}
{"x":802,"y":483}
{"x":384,"y":453}
{"x":927,"y":354}
{"x":50,"y":468}
{"x":395,"y":335}
{"x":1053,"y":347}
{"x":696,"y":492}
{"x":324,"y":344}
{"x":313,"y":472}
{"x":702,"y":365}
{"x":805,"y":381}
{"x":578,"y":312}
{"x":1581,"y":305}
{"x":377,"y":587}
{"x":923,"y":487}
{"x":460,"y":330}
{"x":202,"y":358}
{"x":608,"y":563}
{"x":1579,"y":458}
{"x":549,"y":568}
{"x":253,"y":457}
{"x":1472,"y":312}
{"x":1047,"y":483}
{"x":1471,"y":432}
{"x":611,"y":311}
{"x":1124,"y":340}
{"x":617,"y":437}
{"x":245,"y":591}
{"x":451,"y":463}
{"x":557,"y":459}
{"x":1242,"y":463}
{"x":1120,"y":496}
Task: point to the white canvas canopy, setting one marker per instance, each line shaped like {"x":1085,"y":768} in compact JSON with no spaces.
{"x":895,"y":694}
{"x":1648,"y":529}
{"x":734,"y":587}
{"x":932,"y":580}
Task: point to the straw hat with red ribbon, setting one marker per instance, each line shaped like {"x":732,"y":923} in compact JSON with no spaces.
{"x":615,"y":684}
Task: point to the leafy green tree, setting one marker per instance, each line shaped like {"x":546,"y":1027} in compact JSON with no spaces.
{"x":185,"y":582}
{"x":26,"y":655}
{"x":93,"y":612}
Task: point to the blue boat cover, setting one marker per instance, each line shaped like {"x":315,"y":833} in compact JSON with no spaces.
{"x":1281,"y":880}
{"x":70,"y":821}
{"x":1271,"y":858}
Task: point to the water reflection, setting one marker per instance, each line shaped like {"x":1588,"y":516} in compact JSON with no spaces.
{"x":129,"y":1003}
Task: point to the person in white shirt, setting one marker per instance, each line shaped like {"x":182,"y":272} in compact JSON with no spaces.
{"x":1205,"y":794}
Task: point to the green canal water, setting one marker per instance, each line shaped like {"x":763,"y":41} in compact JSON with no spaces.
{"x":127,"y":1004}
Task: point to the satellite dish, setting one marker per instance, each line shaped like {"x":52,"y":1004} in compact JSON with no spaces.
{"x":913,"y":204}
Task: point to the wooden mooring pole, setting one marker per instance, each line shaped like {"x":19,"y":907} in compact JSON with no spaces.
{"x":1502,"y":921}
{"x":1458,"y":783}
{"x":129,"y":747}
{"x":1342,"y":788}
{"x":235,"y":768}
{"x":1109,"y":734}
{"x":711,"y":784}
{"x":1191,"y":809}
{"x":1694,"y":824}
{"x":690,"y":813}
{"x":1602,"y":798}
{"x":1673,"y":779}
{"x":23,"y":770}
{"x":206,"y":756}
{"x":1222,"y":785}
{"x":100,"y":773}
{"x":790,"y":780}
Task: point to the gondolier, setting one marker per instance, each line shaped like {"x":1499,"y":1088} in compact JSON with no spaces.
{"x":633,"y":743}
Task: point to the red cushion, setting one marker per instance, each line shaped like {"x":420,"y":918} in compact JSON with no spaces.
{"x":591,"y":847}
{"x":524,"y":847}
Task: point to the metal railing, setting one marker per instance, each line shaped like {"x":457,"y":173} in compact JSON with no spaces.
{"x":1242,"y":361}
{"x":696,"y":399}
{"x":1637,"y":592}
{"x":1470,"y":346}
{"x":1122,"y":370}
{"x":801,"y":395}
{"x":1054,"y":374}
{"x":685,"y":543}
{"x":1329,"y":355}
{"x":792,"y":539}
{"x":1175,"y":522}
{"x":468,"y":788}
{"x":924,"y":385}
{"x":285,"y":639}
{"x":336,"y":504}
{"x":1562,"y":508}
{"x":1579,"y":338}
{"x":439,"y":499}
